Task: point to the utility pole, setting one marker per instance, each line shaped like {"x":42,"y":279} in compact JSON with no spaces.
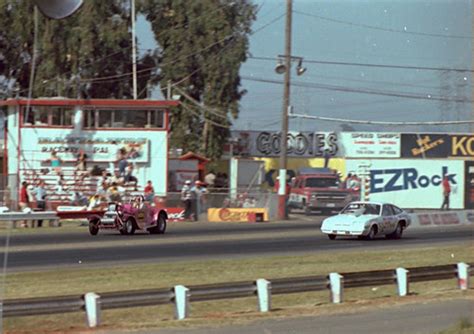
{"x":472,"y":74}
{"x":134,"y":51}
{"x":284,"y":122}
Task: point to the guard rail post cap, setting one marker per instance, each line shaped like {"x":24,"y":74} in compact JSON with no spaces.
{"x":336,"y":282}
{"x":92,"y":303}
{"x":463,"y":275}
{"x":181,"y":302}
{"x":402,"y":281}
{"x":264,"y":295}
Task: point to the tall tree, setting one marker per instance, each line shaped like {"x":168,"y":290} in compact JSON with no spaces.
{"x":202,"y":44}
{"x":90,"y":51}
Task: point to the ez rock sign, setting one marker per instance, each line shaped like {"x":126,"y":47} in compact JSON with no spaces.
{"x":414,"y":183}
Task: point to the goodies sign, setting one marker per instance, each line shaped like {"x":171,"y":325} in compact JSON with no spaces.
{"x":235,"y":214}
{"x":300,"y":144}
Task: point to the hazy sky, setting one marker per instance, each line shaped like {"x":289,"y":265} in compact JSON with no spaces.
{"x":402,"y":33}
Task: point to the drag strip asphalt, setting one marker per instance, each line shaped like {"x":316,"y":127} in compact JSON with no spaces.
{"x":193,"y":242}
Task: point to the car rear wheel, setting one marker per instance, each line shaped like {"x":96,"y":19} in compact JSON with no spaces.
{"x":129,"y":226}
{"x":332,"y":236}
{"x":397,"y":234}
{"x":160,"y":227}
{"x":372,"y":233}
{"x":93,"y":228}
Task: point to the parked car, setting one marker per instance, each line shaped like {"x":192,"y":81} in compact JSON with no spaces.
{"x":126,"y":218}
{"x":367,"y":220}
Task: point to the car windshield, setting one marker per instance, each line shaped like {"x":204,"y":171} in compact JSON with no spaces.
{"x":317,"y":182}
{"x":362,"y":208}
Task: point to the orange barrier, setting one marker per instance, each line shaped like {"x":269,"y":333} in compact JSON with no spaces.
{"x":237,"y":214}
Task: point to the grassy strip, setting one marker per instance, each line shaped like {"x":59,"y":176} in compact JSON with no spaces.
{"x":464,"y":326}
{"x":21,"y":285}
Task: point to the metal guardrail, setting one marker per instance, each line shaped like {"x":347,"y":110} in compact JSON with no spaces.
{"x":19,"y":216}
{"x":136,"y":298}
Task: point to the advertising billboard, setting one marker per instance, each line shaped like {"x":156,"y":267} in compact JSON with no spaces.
{"x":300,"y":144}
{"x":436,"y":145}
{"x":411,"y":183}
{"x":469,"y":184}
{"x":370,"y":144}
{"x":425,"y":145}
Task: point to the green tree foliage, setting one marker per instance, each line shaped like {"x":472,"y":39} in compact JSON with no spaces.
{"x":90,"y":50}
{"x":202,"y":46}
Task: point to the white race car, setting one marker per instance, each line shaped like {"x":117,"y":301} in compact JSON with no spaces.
{"x":367,"y":220}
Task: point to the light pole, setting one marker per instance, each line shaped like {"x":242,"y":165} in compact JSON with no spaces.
{"x":284,"y":66}
{"x":284,"y":121}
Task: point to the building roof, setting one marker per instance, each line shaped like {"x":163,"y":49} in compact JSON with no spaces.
{"x":91,"y":102}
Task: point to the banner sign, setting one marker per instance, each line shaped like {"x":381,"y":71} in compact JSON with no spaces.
{"x":425,"y":145}
{"x":371,"y":144}
{"x":300,"y":144}
{"x":462,"y":146}
{"x":448,"y":218}
{"x":97,"y":149}
{"x":416,"y":184}
{"x":99,"y":146}
{"x":236,"y":214}
{"x":469,"y":181}
{"x":175,"y":214}
{"x":437,"y":146}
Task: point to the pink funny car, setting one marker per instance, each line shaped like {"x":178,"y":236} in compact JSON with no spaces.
{"x":129,"y":217}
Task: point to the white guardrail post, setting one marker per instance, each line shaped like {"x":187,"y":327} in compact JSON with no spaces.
{"x":337,"y":286}
{"x":463,"y":276}
{"x":181,"y":302}
{"x":92,"y":302}
{"x":402,"y":281}
{"x":264,"y":293}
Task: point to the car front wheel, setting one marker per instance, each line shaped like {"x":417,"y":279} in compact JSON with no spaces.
{"x":332,"y":236}
{"x":371,"y":234}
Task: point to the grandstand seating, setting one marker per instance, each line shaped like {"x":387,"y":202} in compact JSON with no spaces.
{"x":72,"y":181}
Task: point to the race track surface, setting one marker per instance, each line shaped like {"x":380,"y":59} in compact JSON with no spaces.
{"x":202,"y":241}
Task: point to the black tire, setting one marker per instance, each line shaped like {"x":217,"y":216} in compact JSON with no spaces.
{"x":160,"y":227}
{"x":332,"y":236}
{"x":307,"y":209}
{"x":397,"y":234}
{"x":371,"y":234}
{"x":93,"y":228}
{"x":129,"y":227}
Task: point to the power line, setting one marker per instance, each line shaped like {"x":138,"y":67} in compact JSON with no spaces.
{"x":363,"y":90}
{"x":380,"y":28}
{"x":323,"y":62}
{"x":391,"y":123}
{"x":212,"y":111}
{"x":267,"y":24}
{"x":210,"y":121}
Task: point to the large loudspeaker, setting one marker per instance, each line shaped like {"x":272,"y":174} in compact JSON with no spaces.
{"x":58,"y":9}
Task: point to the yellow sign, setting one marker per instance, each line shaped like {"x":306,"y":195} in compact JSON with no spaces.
{"x":236,"y":214}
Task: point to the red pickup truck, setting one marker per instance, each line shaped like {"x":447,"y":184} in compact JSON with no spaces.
{"x":319,"y":189}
